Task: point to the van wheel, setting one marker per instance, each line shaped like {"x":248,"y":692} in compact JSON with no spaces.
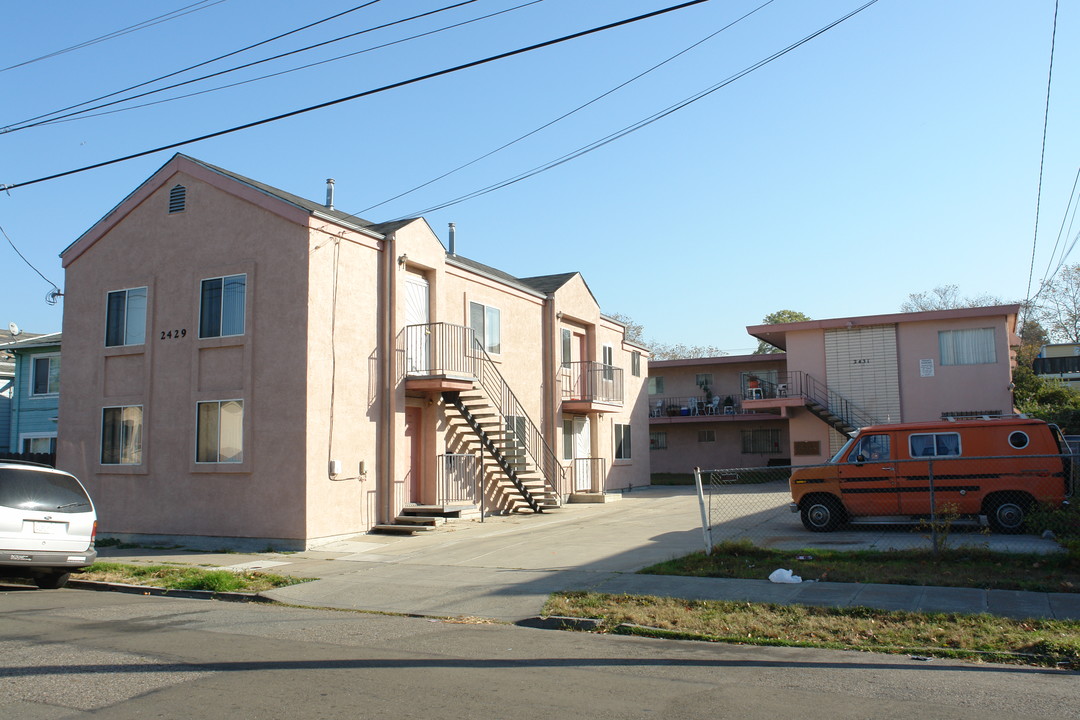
{"x":821,"y":514}
{"x":52,"y":581}
{"x":1007,"y":516}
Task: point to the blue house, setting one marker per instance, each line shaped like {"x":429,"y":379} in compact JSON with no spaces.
{"x":34,"y":395}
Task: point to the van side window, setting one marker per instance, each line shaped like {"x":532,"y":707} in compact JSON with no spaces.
{"x":871,"y":447}
{"x":935,"y":445}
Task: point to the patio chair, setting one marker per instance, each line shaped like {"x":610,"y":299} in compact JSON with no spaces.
{"x":713,"y":408}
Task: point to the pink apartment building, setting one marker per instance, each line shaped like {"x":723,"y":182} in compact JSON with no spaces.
{"x":834,"y":376}
{"x":245,"y":367}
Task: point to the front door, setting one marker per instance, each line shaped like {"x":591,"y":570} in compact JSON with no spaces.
{"x":868,"y":477}
{"x":582,"y":455}
{"x":417,"y":332}
{"x":413,"y":440}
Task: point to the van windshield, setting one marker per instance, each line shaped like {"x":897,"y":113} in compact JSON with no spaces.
{"x":840,"y":453}
{"x":29,"y":489}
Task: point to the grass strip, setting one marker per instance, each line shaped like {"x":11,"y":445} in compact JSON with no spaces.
{"x":959,"y":567}
{"x":984,"y":638}
{"x":186,"y":577}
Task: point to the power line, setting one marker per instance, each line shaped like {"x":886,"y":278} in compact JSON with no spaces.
{"x":567,"y":114}
{"x":595,"y":145}
{"x":1042,"y":155}
{"x":55,"y":286}
{"x":29,"y":123}
{"x":87,"y":114}
{"x":366,"y":93}
{"x":123,"y":31}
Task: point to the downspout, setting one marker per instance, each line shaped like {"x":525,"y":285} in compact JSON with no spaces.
{"x":551,"y":380}
{"x":384,"y":486}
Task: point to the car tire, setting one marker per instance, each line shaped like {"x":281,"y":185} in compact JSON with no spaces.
{"x":1007,"y":516}
{"x":52,"y":581}
{"x":821,"y":514}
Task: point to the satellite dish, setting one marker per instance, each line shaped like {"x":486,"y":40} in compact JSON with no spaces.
{"x":14,"y":329}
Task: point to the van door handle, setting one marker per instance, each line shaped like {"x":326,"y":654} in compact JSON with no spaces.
{"x":888,"y":468}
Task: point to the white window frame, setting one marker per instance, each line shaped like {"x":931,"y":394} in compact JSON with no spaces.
{"x":48,"y":383}
{"x":967,"y":346}
{"x":222,"y":314}
{"x":489,"y":335}
{"x":607,"y":355}
{"x":127,"y":326}
{"x":621,"y":437}
{"x":635,"y":363}
{"x":235,"y":459}
{"x":23,"y":437}
{"x":135,"y":450}
{"x":936,"y":437}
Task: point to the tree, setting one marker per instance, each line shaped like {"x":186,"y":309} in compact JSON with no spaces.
{"x":1059,"y":306}
{"x":635,"y":332}
{"x":776,"y":318}
{"x":945,"y":297}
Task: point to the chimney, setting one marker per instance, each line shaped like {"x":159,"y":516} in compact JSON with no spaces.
{"x":329,"y":193}
{"x":453,"y":233}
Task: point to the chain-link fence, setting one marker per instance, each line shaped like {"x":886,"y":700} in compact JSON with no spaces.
{"x":1001,"y":503}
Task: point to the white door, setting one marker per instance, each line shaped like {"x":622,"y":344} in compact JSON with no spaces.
{"x":417,"y":332}
{"x":582,"y":454}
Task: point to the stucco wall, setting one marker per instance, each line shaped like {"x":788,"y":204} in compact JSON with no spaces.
{"x":168,"y":493}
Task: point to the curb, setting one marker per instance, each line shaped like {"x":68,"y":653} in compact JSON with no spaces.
{"x":165,"y":592}
{"x":559,"y":622}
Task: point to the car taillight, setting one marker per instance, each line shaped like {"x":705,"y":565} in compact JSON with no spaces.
{"x":93,"y":533}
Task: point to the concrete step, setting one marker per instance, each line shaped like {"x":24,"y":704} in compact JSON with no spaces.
{"x":396,"y":529}
{"x":447,"y":512}
{"x":428,"y":520}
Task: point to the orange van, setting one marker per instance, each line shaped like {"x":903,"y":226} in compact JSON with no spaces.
{"x":997,"y":468}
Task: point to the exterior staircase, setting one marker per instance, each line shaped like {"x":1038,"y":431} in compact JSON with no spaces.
{"x":829,"y":406}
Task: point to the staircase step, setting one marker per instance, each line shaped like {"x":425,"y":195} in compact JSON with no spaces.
{"x":396,"y":529}
{"x":429,"y":520}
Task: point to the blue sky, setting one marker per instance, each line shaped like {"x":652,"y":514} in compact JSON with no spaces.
{"x":894,"y":153}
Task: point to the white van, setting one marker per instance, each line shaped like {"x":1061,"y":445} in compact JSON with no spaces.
{"x":47,"y":524}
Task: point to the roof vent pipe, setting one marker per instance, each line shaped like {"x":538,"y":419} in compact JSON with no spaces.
{"x":453,"y":234}
{"x":329,"y":193}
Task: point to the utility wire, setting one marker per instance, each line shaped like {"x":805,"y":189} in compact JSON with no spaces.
{"x":565,"y":115}
{"x":30,"y":122}
{"x":366,"y":93}
{"x":123,"y":31}
{"x":1042,"y":158}
{"x":1062,"y":232}
{"x":638,"y":125}
{"x":88,"y":114}
{"x":55,"y":286}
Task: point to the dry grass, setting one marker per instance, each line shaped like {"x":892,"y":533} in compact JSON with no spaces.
{"x":982,"y":637}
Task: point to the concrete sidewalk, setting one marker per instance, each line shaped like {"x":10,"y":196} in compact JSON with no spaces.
{"x":504,"y":568}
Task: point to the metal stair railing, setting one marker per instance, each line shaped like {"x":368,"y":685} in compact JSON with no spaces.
{"x":849,"y":416}
{"x":449,"y":349}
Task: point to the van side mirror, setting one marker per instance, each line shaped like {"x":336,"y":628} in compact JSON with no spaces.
{"x":860,"y":459}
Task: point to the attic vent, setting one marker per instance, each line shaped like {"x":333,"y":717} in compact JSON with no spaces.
{"x":177,"y":199}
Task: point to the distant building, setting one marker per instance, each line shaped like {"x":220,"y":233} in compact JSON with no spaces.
{"x":835,"y":376}
{"x":32,"y":395}
{"x":1060,"y":362}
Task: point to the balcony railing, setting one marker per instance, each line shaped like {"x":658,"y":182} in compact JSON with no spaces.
{"x":592,"y":381}
{"x":588,"y":474}
{"x":800,"y":384}
{"x":459,"y":479}
{"x":683,"y":405}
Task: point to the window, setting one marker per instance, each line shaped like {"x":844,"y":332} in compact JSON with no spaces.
{"x":221,"y":309}
{"x":656,"y":385}
{"x":967,"y":347}
{"x":635,"y":363}
{"x":934,"y":445}
{"x":1018,"y":440}
{"x":568,"y":438}
{"x":760,"y":441}
{"x":703,"y":379}
{"x":608,"y":355}
{"x":622,"y":442}
{"x":177,"y":199}
{"x":46,"y":375}
{"x":220,"y":432}
{"x":121,"y":435}
{"x":484,"y":321}
{"x":125,"y":317}
{"x":872,"y":448}
{"x":658,"y":441}
{"x":566,"y":354}
{"x":43,"y":444}
{"x":706,"y":436}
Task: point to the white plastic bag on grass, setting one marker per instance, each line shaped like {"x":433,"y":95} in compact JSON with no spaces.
{"x":784,"y":576}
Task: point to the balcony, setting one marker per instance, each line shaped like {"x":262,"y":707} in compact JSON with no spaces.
{"x":591,"y":387}
{"x":722,"y":406}
{"x":438,"y":357}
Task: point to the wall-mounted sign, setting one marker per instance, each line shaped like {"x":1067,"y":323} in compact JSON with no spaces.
{"x":926,"y":367}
